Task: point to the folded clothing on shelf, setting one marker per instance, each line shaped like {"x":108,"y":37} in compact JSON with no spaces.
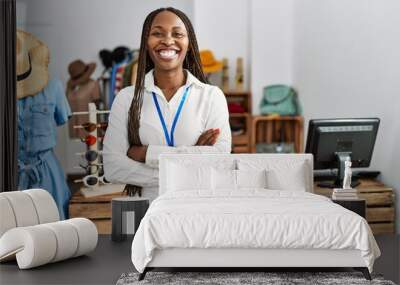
{"x":238,"y":132}
{"x":237,"y":128}
{"x":234,"y":107}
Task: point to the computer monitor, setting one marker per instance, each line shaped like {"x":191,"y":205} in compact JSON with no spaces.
{"x":332,"y":141}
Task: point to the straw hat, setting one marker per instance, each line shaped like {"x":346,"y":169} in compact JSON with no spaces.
{"x":32,"y":62}
{"x":209,"y":63}
{"x":80,"y":72}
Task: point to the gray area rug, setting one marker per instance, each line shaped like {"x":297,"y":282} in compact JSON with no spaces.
{"x":230,"y":278}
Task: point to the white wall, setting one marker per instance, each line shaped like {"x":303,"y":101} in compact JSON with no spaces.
{"x":342,"y":56}
{"x":271,"y":45}
{"x":79,"y":29}
{"x":346,"y":64}
{"x":223,"y":27}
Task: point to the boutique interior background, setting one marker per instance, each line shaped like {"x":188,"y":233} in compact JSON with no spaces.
{"x":341,"y":56}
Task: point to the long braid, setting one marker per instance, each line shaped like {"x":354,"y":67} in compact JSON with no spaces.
{"x":145,"y":64}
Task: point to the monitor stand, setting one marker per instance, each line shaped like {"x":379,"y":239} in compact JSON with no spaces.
{"x":341,"y":157}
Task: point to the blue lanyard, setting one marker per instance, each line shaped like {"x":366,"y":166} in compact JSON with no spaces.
{"x":170,"y":138}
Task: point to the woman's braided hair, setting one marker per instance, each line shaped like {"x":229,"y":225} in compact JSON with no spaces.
{"x":145,"y":64}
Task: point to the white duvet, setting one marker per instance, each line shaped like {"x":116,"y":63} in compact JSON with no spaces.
{"x":253,"y":218}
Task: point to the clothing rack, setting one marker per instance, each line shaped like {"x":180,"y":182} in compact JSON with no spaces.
{"x":110,"y":78}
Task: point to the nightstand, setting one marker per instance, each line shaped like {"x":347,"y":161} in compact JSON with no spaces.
{"x":357,"y":205}
{"x":381,"y":204}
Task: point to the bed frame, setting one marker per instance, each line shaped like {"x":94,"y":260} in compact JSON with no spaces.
{"x":242,"y":259}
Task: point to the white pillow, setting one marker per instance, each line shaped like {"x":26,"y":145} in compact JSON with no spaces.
{"x":203,"y":160}
{"x":183,"y":177}
{"x":223,"y":179}
{"x":228,"y":179}
{"x":251,"y":178}
{"x":281,"y":174}
{"x":293,"y":178}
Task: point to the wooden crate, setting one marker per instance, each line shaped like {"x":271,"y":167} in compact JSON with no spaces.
{"x":380,"y":214}
{"x":380,"y":200}
{"x":272,"y":129}
{"x":382,"y":228}
{"x":97,"y":209}
{"x":241,"y":149}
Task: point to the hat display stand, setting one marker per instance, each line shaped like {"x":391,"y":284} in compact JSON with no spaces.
{"x":104,"y":83}
{"x":98,"y":188}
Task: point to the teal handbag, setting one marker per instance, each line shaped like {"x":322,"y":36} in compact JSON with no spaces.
{"x":280,"y":99}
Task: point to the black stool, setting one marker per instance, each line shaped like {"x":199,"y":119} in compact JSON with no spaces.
{"x":123,"y":210}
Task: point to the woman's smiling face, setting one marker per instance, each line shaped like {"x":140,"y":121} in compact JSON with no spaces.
{"x":168,"y":41}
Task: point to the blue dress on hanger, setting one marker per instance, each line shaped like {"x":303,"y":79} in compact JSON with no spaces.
{"x":38,"y":167}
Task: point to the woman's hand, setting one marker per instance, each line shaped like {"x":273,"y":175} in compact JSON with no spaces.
{"x":209,"y":137}
{"x":138,"y":153}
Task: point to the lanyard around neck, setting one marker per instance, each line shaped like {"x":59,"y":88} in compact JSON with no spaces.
{"x":170,"y":138}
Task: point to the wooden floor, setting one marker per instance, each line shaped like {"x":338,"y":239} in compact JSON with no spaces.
{"x":110,"y":260}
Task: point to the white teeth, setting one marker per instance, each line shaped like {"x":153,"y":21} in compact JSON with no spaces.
{"x":168,"y":53}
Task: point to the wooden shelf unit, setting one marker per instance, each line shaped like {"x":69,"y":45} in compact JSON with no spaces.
{"x":97,"y":209}
{"x":380,"y":202}
{"x":241,"y":142}
{"x":267,"y":129}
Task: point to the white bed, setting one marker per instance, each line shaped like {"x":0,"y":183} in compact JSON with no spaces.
{"x":218,"y":224}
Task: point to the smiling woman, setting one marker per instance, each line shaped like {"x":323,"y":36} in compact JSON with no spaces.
{"x":168,"y":45}
{"x":171,"y":108}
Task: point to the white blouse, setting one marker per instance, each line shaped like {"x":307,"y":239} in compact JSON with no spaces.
{"x":205,"y":107}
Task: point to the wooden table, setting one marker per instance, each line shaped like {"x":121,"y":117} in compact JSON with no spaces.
{"x":380,"y":201}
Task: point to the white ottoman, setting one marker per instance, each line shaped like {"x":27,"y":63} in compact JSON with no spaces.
{"x":31,"y":232}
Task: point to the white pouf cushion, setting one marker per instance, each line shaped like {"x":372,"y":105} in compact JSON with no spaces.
{"x":7,"y":218}
{"x":26,"y":208}
{"x":37,"y":245}
{"x":87,"y":235}
{"x":32,"y":246}
{"x":45,"y":205}
{"x":65,"y":236}
{"x":23,"y":209}
{"x":31,"y":232}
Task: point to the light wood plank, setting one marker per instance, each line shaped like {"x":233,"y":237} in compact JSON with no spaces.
{"x":382,"y":228}
{"x":381,"y":214}
{"x":90,"y":210}
{"x":269,"y":126}
{"x":79,"y":198}
{"x":375,"y":190}
{"x":240,"y":139}
{"x":103,"y":226}
{"x":241,"y":149}
{"x":378,"y":199}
